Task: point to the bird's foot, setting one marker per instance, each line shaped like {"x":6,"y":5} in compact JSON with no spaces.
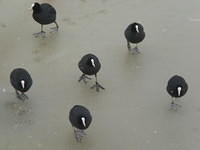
{"x":54,"y":29}
{"x":22,"y":96}
{"x":40,"y":34}
{"x":84,"y":78}
{"x":175,"y":106}
{"x":79,"y":134}
{"x":136,"y":49}
{"x":129,"y":47}
{"x":25,"y":96}
{"x":97,"y":86}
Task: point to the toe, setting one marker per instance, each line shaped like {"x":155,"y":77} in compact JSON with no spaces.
{"x":97,"y":89}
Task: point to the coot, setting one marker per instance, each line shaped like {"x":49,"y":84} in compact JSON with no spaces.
{"x":80,"y":119}
{"x":176,"y":88}
{"x":135,"y":34}
{"x":21,"y":81}
{"x":44,"y":14}
{"x":90,"y":65}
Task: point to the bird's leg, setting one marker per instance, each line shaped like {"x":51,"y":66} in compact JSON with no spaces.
{"x":20,"y":96}
{"x":42,"y":28}
{"x":136,"y":48}
{"x":79,"y":134}
{"x":17,"y":94}
{"x":24,"y":95}
{"x":41,"y":33}
{"x":84,"y":77}
{"x":55,"y":29}
{"x":174,"y":106}
{"x":97,"y":85}
{"x":128,"y":45}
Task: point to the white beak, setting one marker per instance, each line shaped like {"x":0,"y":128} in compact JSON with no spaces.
{"x":137,"y":28}
{"x":23,"y":84}
{"x":31,"y":6}
{"x":93,"y":64}
{"x":179,"y":91}
{"x":83,"y":121}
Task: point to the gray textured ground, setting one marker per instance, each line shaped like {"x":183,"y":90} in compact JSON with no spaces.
{"x":133,"y":111}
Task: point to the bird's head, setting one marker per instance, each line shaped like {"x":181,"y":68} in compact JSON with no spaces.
{"x":22,"y":82}
{"x":83,"y":121}
{"x":179,"y":88}
{"x":135,"y":27}
{"x":91,"y":62}
{"x":35,"y":6}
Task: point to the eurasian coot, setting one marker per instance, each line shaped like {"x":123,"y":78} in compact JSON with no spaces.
{"x":90,"y":65}
{"x":134,"y":33}
{"x":21,"y":81}
{"x":176,"y":87}
{"x":44,"y":14}
{"x":80,"y":119}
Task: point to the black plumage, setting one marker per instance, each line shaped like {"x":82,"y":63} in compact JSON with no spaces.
{"x":21,"y":81}
{"x":80,"y":119}
{"x":75,"y":115}
{"x":176,"y":87}
{"x":44,"y":14}
{"x":90,"y":65}
{"x":135,"y":34}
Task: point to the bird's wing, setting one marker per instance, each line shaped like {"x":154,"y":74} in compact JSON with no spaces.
{"x":52,"y":11}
